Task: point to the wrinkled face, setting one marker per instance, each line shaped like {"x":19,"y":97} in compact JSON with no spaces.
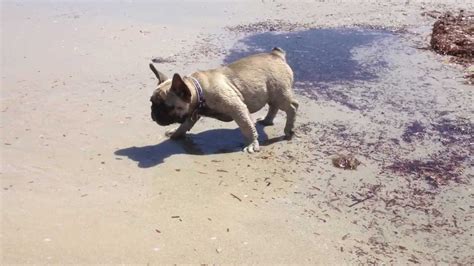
{"x":170,"y":102}
{"x":166,"y":106}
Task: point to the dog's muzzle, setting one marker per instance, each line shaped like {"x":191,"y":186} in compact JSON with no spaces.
{"x":162,"y":115}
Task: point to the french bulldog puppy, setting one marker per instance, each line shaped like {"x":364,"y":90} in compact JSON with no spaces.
{"x":228,"y":93}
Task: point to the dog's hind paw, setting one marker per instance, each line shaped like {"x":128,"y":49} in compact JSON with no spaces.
{"x":264,"y":122}
{"x":289,"y":135}
{"x":253,"y":147}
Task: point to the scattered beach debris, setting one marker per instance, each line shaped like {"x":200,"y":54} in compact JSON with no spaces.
{"x":163,"y":60}
{"x":144,"y":32}
{"x":346,"y":162}
{"x":239,"y":199}
{"x":357,"y":201}
{"x":158,"y":231}
{"x":437,"y":171}
{"x":268,"y":25}
{"x":432,"y":13}
{"x":218,"y":250}
{"x":370,"y":194}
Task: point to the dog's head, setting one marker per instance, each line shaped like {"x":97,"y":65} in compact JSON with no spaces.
{"x":170,"y":102}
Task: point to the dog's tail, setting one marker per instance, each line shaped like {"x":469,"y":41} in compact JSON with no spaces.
{"x":278,"y":51}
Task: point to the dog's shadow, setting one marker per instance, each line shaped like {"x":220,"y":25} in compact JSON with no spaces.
{"x":214,"y":141}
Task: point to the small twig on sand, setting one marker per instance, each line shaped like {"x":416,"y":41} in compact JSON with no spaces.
{"x":235,"y":197}
{"x":361,"y":200}
{"x":372,"y":192}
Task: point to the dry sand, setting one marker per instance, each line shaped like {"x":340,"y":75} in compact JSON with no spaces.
{"x":87,"y":177}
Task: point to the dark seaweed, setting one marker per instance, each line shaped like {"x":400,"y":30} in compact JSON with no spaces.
{"x":437,"y":171}
{"x":454,"y":131}
{"x":414,"y":130}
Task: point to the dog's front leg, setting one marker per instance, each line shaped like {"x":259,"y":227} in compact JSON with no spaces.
{"x":180,"y":131}
{"x":242,"y":117}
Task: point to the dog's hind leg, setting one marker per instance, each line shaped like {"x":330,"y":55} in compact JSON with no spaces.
{"x":290,"y":108}
{"x":268,"y":120}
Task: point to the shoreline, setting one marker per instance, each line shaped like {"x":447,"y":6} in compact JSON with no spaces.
{"x":87,"y":177}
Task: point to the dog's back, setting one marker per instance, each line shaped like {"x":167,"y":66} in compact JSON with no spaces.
{"x":261,"y":78}
{"x":261,"y":62}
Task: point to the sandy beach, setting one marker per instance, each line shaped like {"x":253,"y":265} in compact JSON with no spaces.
{"x":88,"y":177}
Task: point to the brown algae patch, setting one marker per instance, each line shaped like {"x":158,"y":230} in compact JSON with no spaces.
{"x":453,"y":35}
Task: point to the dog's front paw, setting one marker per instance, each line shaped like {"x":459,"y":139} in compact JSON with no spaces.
{"x":170,"y":132}
{"x":253,"y":147}
{"x":173,"y":133}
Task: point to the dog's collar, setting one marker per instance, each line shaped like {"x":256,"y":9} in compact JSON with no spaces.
{"x":200,"y":94}
{"x":200,"y":97}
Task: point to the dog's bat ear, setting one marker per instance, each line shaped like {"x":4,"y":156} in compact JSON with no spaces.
{"x":160,"y":76}
{"x":179,"y":88}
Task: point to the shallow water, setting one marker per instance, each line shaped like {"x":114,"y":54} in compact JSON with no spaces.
{"x":317,"y":56}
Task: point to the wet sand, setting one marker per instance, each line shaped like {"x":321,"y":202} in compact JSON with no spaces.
{"x":87,"y":177}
